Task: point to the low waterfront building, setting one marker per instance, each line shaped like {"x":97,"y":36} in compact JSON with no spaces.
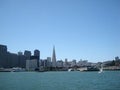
{"x":112,"y":68}
{"x":83,"y":69}
{"x":82,"y":63}
{"x":60,"y":63}
{"x":73,"y":63}
{"x":66,"y":63}
{"x":31,"y":65}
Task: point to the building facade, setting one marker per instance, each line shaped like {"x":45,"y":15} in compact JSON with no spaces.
{"x":27,"y":54}
{"x":31,"y":65}
{"x":37,"y":55}
{"x":54,"y":57}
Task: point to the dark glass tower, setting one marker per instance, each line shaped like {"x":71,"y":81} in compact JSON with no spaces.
{"x":37,"y":56}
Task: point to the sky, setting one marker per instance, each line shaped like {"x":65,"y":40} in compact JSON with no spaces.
{"x":79,"y":29}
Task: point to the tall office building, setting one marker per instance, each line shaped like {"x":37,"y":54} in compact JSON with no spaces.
{"x":117,"y":58}
{"x":37,"y":55}
{"x":22,"y":59}
{"x":3,"y":49}
{"x":54,"y":57}
{"x":49,"y":61}
{"x":20,"y":53}
{"x":3,"y":55}
{"x":27,"y":54}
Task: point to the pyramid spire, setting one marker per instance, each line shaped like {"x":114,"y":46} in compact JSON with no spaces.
{"x":54,"y":57}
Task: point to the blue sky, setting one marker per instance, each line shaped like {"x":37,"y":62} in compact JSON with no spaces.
{"x":79,"y":29}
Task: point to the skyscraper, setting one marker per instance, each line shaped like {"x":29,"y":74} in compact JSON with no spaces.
{"x":27,"y":54}
{"x":3,"y":55}
{"x":53,"y":58}
{"x":37,"y":55}
{"x":3,"y":49}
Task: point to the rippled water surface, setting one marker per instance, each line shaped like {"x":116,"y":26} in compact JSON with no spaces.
{"x":108,"y":80}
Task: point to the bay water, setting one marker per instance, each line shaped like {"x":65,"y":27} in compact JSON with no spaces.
{"x":62,"y":80}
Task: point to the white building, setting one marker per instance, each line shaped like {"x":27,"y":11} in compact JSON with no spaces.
{"x":31,"y":65}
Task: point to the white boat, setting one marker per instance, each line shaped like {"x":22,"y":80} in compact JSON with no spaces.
{"x":101,"y":70}
{"x":17,"y":69}
{"x":5,"y":70}
{"x":69,"y":70}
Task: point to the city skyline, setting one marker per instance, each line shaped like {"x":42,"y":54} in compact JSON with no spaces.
{"x":36,"y":54}
{"x":87,"y":30}
{"x":34,"y":63}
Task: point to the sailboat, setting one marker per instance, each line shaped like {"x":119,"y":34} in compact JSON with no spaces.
{"x":101,"y":69}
